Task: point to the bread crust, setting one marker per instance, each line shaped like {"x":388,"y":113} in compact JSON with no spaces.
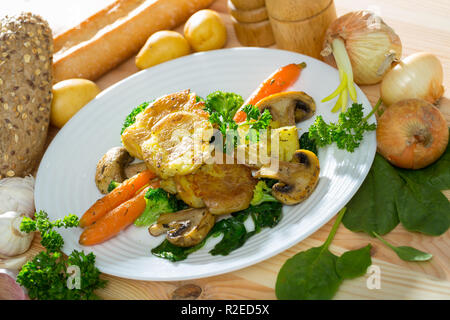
{"x":26,"y":46}
{"x":114,"y":34}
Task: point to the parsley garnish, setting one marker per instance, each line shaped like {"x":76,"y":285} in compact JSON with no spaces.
{"x":347,"y":132}
{"x":46,"y":276}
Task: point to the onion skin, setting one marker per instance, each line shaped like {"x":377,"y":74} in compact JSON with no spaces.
{"x":367,"y":47}
{"x":412,"y":134}
{"x":419,"y":75}
{"x":10,"y":289}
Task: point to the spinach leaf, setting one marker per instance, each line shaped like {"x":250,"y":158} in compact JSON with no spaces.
{"x":173,"y":253}
{"x":436,"y":175}
{"x":422,"y":208}
{"x":234,"y":236}
{"x":373,"y":206}
{"x":309,"y":275}
{"x":353,"y":264}
{"x":307,"y":143}
{"x":407,"y":253}
{"x":267,"y":214}
{"x":317,"y":273}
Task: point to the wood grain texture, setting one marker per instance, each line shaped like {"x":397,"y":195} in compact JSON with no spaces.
{"x":422,"y":26}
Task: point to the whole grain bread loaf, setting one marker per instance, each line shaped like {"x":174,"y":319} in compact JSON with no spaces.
{"x":26,"y":49}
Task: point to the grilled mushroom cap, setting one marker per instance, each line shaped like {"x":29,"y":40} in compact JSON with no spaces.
{"x":111,"y":167}
{"x":297,"y":179}
{"x":184,"y":228}
{"x":287,"y":108}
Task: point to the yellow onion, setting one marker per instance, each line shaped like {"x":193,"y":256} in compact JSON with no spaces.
{"x":370,"y":43}
{"x":419,"y":75}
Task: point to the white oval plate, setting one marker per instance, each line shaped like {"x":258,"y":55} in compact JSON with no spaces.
{"x":65,"y":180}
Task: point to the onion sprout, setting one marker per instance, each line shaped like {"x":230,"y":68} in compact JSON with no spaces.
{"x":346,"y":86}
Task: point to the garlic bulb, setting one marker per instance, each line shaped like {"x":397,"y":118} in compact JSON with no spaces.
{"x":371,"y":45}
{"x":17,"y":194}
{"x":12,"y":240}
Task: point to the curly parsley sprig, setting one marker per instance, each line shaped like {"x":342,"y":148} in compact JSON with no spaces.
{"x":46,"y":277}
{"x":347,"y":132}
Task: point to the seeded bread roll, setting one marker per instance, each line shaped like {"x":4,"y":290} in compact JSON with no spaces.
{"x":26,"y":46}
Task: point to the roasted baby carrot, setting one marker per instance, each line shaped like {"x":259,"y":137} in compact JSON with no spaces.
{"x":114,"y":221}
{"x":116,"y":197}
{"x":278,"y":81}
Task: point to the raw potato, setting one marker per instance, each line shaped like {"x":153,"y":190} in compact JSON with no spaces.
{"x":160,"y":47}
{"x":69,"y":96}
{"x":25,"y":92}
{"x":205,"y":30}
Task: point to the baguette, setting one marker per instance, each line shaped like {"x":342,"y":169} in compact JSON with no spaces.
{"x":114,"y":34}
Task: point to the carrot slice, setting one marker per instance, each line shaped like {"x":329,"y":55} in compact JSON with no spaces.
{"x":278,"y":81}
{"x":114,"y":221}
{"x":119,"y":195}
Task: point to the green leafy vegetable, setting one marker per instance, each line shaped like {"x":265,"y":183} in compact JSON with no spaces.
{"x":347,"y":132}
{"x":372,"y":208}
{"x":234,"y":236}
{"x":262,"y":193}
{"x":157,"y":202}
{"x":131,"y":118}
{"x":169,"y":251}
{"x":46,"y":277}
{"x":307,"y":143}
{"x":223,"y":103}
{"x":423,"y":208}
{"x":256,"y":121}
{"x":267,"y":214}
{"x":50,"y":239}
{"x":222,"y":106}
{"x":313,"y":274}
{"x":406,"y":253}
{"x":354,"y":264}
{"x":390,"y":195}
{"x":436,"y":175}
{"x":113,"y":184}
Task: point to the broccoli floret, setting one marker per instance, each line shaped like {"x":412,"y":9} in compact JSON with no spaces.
{"x":131,"y":118}
{"x":224,"y":103}
{"x":157,"y":201}
{"x":113,"y":185}
{"x":262,"y":193}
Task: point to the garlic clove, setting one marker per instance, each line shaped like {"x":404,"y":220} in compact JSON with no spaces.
{"x":17,"y":194}
{"x":12,"y":240}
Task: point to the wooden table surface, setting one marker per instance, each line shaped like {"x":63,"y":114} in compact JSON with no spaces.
{"x":422,"y":26}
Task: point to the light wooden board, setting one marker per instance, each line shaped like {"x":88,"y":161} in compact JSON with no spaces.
{"x":422,"y":26}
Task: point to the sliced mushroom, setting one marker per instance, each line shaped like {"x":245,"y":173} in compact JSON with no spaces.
{"x":184,"y":228}
{"x":297,"y":179}
{"x":111,"y":168}
{"x":287,"y":108}
{"x":134,"y":168}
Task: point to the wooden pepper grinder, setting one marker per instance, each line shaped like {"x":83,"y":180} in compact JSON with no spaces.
{"x":251,"y":22}
{"x":300,"y":25}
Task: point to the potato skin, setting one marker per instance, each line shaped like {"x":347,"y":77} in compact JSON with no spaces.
{"x":160,"y":47}
{"x":69,"y":96}
{"x":205,"y":30}
{"x":26,"y":48}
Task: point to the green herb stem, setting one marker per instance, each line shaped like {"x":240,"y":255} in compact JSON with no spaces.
{"x":377,"y":106}
{"x":334,"y":229}
{"x":384,"y":241}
